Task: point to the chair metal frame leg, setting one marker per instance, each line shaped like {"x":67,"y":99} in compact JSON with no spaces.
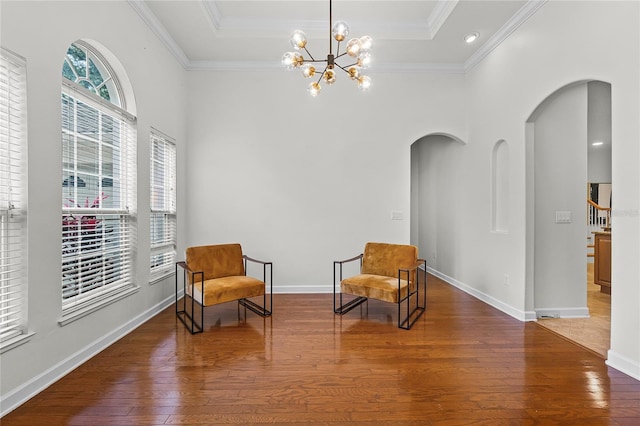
{"x":186,"y":317}
{"x":406,"y":323}
{"x":263,"y":311}
{"x":193,"y":279}
{"x":343,"y":308}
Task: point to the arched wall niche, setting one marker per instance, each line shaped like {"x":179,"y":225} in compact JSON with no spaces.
{"x":500,"y":187}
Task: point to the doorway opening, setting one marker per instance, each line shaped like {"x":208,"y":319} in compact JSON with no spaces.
{"x":435,"y":197}
{"x":568,"y":147}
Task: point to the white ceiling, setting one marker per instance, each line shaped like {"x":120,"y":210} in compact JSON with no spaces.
{"x":408,"y":34}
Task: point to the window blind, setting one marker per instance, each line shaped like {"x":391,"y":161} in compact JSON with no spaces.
{"x":12,"y":193}
{"x":98,"y":199}
{"x":163,"y":233}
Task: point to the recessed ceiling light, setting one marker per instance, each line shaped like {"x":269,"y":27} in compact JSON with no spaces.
{"x":470,"y":38}
{"x":598,"y":143}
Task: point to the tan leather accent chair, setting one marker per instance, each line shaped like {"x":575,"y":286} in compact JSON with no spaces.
{"x":216,"y":274}
{"x":388,"y":272}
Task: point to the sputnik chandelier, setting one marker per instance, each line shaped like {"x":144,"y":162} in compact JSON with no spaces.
{"x":358,"y":49}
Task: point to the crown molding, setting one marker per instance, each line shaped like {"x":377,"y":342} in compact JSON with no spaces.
{"x":525,"y":12}
{"x":213,"y":13}
{"x":249,"y":66}
{"x":229,"y":27}
{"x":414,"y":31}
{"x":160,"y":31}
{"x":418,"y":68}
{"x":439,"y":16}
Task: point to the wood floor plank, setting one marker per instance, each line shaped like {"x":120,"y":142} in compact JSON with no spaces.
{"x":462,"y":363}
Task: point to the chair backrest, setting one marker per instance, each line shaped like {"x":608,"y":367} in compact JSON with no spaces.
{"x":385,"y":259}
{"x":216,"y":261}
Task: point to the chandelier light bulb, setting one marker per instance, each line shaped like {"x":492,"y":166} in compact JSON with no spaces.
{"x":287,"y":60}
{"x":308,"y":70}
{"x":364,"y":82}
{"x":298,"y":60}
{"x":353,"y":47}
{"x":352,"y":57}
{"x":298,"y":39}
{"x":329,"y":76}
{"x":340,"y":30}
{"x":364,"y":59}
{"x":354,"y":72}
{"x":314,"y":89}
{"x":366,"y":43}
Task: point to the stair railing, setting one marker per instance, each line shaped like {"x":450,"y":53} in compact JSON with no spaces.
{"x":595,"y":217}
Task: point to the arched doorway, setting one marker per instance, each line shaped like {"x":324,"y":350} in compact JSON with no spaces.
{"x":560,"y":162}
{"x":434,"y":196}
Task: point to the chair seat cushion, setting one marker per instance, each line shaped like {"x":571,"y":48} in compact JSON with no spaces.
{"x":226,"y":289}
{"x":378,"y":287}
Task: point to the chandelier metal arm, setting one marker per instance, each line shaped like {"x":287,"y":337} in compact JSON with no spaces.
{"x":315,"y":61}
{"x":350,"y":65}
{"x":310,"y":55}
{"x":330,"y":28}
{"x":340,"y":55}
{"x":338,"y":49}
{"x":344,"y":68}
{"x":322,"y":74}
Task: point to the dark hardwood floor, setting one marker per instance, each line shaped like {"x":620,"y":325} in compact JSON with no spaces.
{"x":462,"y":363}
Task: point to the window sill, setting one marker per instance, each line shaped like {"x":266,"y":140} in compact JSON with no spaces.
{"x":155,"y":279}
{"x":76,"y":314}
{"x":14,"y":342}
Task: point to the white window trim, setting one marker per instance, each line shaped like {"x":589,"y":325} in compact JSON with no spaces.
{"x":96,"y":305}
{"x":75,"y":308}
{"x":168,"y":207}
{"x":14,"y":291}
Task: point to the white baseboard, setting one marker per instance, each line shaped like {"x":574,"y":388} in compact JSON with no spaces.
{"x":303,"y":289}
{"x":489,"y":300}
{"x":563,"y":313}
{"x":28,"y":390}
{"x":614,"y":360}
{"x":623,"y":364}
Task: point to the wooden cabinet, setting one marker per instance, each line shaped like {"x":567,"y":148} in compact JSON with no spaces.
{"x":602,"y":261}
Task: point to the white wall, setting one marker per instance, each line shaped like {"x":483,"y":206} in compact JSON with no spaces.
{"x":599,"y":129}
{"x":563,"y":43}
{"x":560,"y":161}
{"x":41,"y":32}
{"x":305,"y":181}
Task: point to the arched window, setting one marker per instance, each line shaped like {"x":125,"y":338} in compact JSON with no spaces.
{"x":86,"y":68}
{"x":98,"y":185}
